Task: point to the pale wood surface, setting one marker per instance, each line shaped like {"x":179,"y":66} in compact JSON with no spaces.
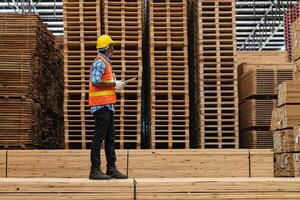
{"x":150,"y":188}
{"x":263,"y":57}
{"x":143,"y":163}
{"x":56,"y":163}
{"x":289,"y":92}
{"x":189,"y":163}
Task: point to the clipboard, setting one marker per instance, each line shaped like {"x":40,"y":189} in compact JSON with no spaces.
{"x":129,"y":80}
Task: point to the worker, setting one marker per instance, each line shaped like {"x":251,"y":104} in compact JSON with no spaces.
{"x":102,"y":98}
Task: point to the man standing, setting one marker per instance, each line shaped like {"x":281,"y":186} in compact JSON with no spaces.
{"x":102,"y":98}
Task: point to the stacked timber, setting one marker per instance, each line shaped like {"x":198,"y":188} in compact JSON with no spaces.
{"x":215,"y":81}
{"x":123,"y":21}
{"x":258,"y":84}
{"x":169,"y":74}
{"x":286,"y":127}
{"x":81,"y":29}
{"x":31,"y":74}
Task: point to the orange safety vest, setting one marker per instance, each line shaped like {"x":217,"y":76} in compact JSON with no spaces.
{"x":102,"y":96}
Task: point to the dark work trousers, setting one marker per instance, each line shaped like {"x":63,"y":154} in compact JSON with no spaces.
{"x":104,"y":131}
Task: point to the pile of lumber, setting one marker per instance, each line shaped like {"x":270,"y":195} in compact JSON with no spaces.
{"x":258,"y":82}
{"x":146,"y":163}
{"x":31,"y":95}
{"x":286,"y":127}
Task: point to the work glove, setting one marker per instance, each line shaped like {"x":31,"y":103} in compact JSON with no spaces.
{"x":119,"y":85}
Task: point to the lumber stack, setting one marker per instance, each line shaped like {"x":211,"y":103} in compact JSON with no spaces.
{"x":218,"y":97}
{"x":123,"y":21}
{"x":152,"y":188}
{"x":169,"y":74}
{"x":149,"y":163}
{"x":31,"y":95}
{"x":286,"y":127}
{"x":296,"y":47}
{"x":258,"y":84}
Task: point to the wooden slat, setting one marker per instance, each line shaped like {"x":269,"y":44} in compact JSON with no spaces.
{"x":56,"y":163}
{"x":188,"y":163}
{"x":59,"y":189}
{"x":295,"y":36}
{"x":287,"y":140}
{"x":264,"y":57}
{"x":210,"y":188}
{"x":296,"y":73}
{"x":287,"y":165}
{"x":261,"y":163}
{"x":286,"y":116}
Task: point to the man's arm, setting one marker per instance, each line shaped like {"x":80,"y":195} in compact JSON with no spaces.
{"x":98,"y":69}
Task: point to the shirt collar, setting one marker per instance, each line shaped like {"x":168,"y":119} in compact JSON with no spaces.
{"x":104,"y":56}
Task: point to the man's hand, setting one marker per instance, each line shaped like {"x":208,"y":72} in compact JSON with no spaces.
{"x":119,"y":85}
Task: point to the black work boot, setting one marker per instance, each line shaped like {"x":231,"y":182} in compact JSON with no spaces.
{"x":114,"y":173}
{"x":97,"y":174}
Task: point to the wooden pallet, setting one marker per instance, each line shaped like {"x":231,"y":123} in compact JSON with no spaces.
{"x":140,"y":163}
{"x":288,"y":93}
{"x":169,"y":75}
{"x":218,"y":103}
{"x":287,"y":140}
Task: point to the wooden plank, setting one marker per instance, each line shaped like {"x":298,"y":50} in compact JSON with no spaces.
{"x":3,"y":163}
{"x":56,"y":163}
{"x":287,"y":140}
{"x":58,"y":188}
{"x":261,"y":162}
{"x":296,"y":73}
{"x":264,"y":57}
{"x":295,"y":36}
{"x":211,"y":188}
{"x":287,"y":116}
{"x":284,"y":165}
{"x":188,"y":163}
{"x":289,"y":93}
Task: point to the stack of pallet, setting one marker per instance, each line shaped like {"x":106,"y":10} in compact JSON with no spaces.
{"x":286,"y":127}
{"x":169,"y":74}
{"x":217,"y":77}
{"x":81,"y":29}
{"x":123,"y":21}
{"x":31,"y":95}
{"x":258,"y":84}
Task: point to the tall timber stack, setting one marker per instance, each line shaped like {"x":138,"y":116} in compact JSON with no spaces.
{"x":81,"y":29}
{"x":218,"y":97}
{"x":31,"y":90}
{"x":169,"y":74}
{"x":258,"y":82}
{"x":123,"y":21}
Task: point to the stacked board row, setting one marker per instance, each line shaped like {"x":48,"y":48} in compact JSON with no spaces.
{"x":257,"y":98}
{"x":31,"y":95}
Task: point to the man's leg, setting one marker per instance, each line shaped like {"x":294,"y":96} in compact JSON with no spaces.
{"x":110,"y":152}
{"x":101,"y":125}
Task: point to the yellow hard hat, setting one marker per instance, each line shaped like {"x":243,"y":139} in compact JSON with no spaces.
{"x":104,"y":41}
